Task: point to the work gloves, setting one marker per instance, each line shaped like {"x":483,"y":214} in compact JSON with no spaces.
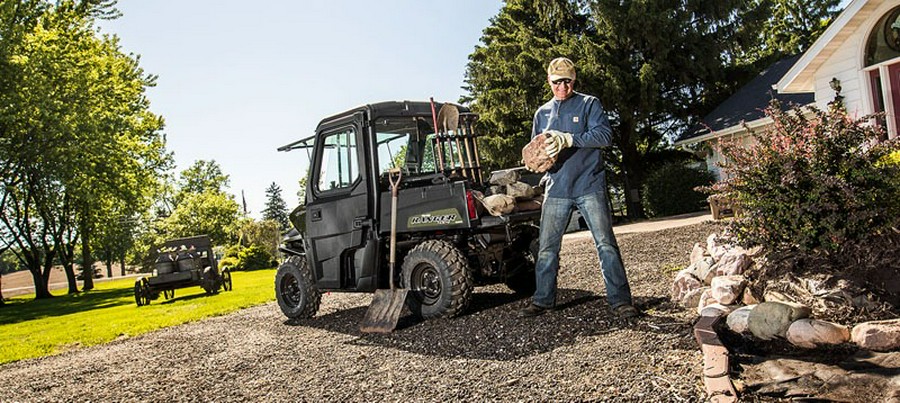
{"x":556,"y":142}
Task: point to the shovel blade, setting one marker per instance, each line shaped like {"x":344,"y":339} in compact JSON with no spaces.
{"x":384,"y":312}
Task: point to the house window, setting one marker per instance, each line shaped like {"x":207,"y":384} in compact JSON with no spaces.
{"x":882,"y":61}
{"x":884,"y":41}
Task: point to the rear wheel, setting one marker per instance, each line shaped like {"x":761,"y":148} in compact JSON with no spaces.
{"x":438,"y":279}
{"x":226,"y":280}
{"x":295,"y":289}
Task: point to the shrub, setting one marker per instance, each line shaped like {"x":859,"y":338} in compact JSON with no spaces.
{"x":254,"y":257}
{"x":229,"y":261}
{"x":670,"y":189}
{"x":813,"y":181}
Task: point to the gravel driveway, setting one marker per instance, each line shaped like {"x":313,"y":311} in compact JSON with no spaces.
{"x":580,"y":352}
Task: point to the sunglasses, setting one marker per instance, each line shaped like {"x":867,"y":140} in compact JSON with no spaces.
{"x":566,"y":81}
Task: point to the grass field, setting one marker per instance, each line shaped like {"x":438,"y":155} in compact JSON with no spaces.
{"x":36,"y":328}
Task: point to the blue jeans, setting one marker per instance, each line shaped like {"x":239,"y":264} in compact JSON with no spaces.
{"x":554,"y":219}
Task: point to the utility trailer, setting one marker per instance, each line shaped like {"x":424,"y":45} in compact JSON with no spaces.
{"x":182,"y":263}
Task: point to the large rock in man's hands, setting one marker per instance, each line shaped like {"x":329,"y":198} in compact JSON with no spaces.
{"x":535,"y":155}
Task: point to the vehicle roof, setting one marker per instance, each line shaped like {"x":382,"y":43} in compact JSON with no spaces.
{"x":386,"y":108}
{"x":393,"y":108}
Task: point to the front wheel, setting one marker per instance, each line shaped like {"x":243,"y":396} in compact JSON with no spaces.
{"x":142,"y":292}
{"x":295,"y":289}
{"x":438,"y":279}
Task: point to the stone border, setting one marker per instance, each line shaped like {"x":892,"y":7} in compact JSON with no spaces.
{"x":719,"y":388}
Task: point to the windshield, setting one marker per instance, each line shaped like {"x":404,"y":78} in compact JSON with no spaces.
{"x":405,"y":143}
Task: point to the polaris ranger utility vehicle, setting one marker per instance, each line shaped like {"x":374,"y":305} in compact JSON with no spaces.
{"x":444,"y":243}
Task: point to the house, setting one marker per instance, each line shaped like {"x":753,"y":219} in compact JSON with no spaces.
{"x":857,"y":58}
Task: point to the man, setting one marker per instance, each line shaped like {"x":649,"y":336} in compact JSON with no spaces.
{"x":578,"y":128}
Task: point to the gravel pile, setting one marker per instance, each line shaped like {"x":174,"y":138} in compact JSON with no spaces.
{"x":580,"y":352}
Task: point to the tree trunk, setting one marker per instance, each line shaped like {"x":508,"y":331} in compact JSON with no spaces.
{"x":87,"y":261}
{"x":630,"y":169}
{"x":41,"y":283}
{"x":122,"y":266}
{"x":70,"y":278}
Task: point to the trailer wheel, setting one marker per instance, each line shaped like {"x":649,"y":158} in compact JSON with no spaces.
{"x":210,"y":281}
{"x":226,"y":280}
{"x":438,"y":279}
{"x":142,"y":292}
{"x":523,"y":282}
{"x":295,"y":289}
{"x":138,"y":297}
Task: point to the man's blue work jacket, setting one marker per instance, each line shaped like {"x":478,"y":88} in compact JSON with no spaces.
{"x":579,"y":169}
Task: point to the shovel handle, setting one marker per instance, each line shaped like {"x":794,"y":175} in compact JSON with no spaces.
{"x":395,"y":185}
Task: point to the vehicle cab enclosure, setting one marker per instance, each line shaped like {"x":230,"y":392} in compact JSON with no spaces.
{"x":342,"y":231}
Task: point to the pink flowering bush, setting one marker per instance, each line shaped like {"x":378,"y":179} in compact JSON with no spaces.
{"x":815,"y":180}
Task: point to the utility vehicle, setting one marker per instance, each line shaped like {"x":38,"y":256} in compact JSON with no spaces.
{"x":445,"y":243}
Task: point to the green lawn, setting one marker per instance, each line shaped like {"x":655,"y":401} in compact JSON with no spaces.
{"x":36,"y":328}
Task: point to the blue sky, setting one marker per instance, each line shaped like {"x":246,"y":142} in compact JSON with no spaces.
{"x":238,"y":79}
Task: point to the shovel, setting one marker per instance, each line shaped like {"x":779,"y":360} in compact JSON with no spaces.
{"x":384,"y":312}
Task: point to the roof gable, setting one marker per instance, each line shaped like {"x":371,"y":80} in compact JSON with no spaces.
{"x":801,"y":77}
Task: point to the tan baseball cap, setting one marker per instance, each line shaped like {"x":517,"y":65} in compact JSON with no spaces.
{"x":561,"y":67}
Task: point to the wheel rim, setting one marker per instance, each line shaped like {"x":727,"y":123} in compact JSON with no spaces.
{"x":425,"y":283}
{"x":227,"y":281}
{"x":290,"y":291}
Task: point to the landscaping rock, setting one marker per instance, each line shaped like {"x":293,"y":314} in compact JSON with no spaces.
{"x":705,"y":300}
{"x":811,"y":333}
{"x":732,"y":263}
{"x":717,"y":310}
{"x":704,"y":269}
{"x":748,"y":297}
{"x":737,"y":320}
{"x":535,"y":154}
{"x":498,"y":205}
{"x":697,"y":253}
{"x":883,"y":335}
{"x":713,"y":248}
{"x":692,"y":298}
{"x":520,"y":190}
{"x":684,"y":283}
{"x":504,"y":177}
{"x":728,"y":289}
{"x":772,"y":319}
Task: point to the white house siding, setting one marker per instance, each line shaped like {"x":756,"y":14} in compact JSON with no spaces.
{"x":846,"y":64}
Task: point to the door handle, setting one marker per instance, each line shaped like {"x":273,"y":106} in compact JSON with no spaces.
{"x":315,"y":215}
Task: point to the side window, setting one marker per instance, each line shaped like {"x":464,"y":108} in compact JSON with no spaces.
{"x":405,"y":143}
{"x":340,"y":166}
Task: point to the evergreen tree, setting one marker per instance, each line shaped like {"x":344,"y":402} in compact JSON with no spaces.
{"x":647,"y":61}
{"x":276,"y":208}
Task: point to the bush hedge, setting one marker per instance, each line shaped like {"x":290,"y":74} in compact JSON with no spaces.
{"x":815,"y":179}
